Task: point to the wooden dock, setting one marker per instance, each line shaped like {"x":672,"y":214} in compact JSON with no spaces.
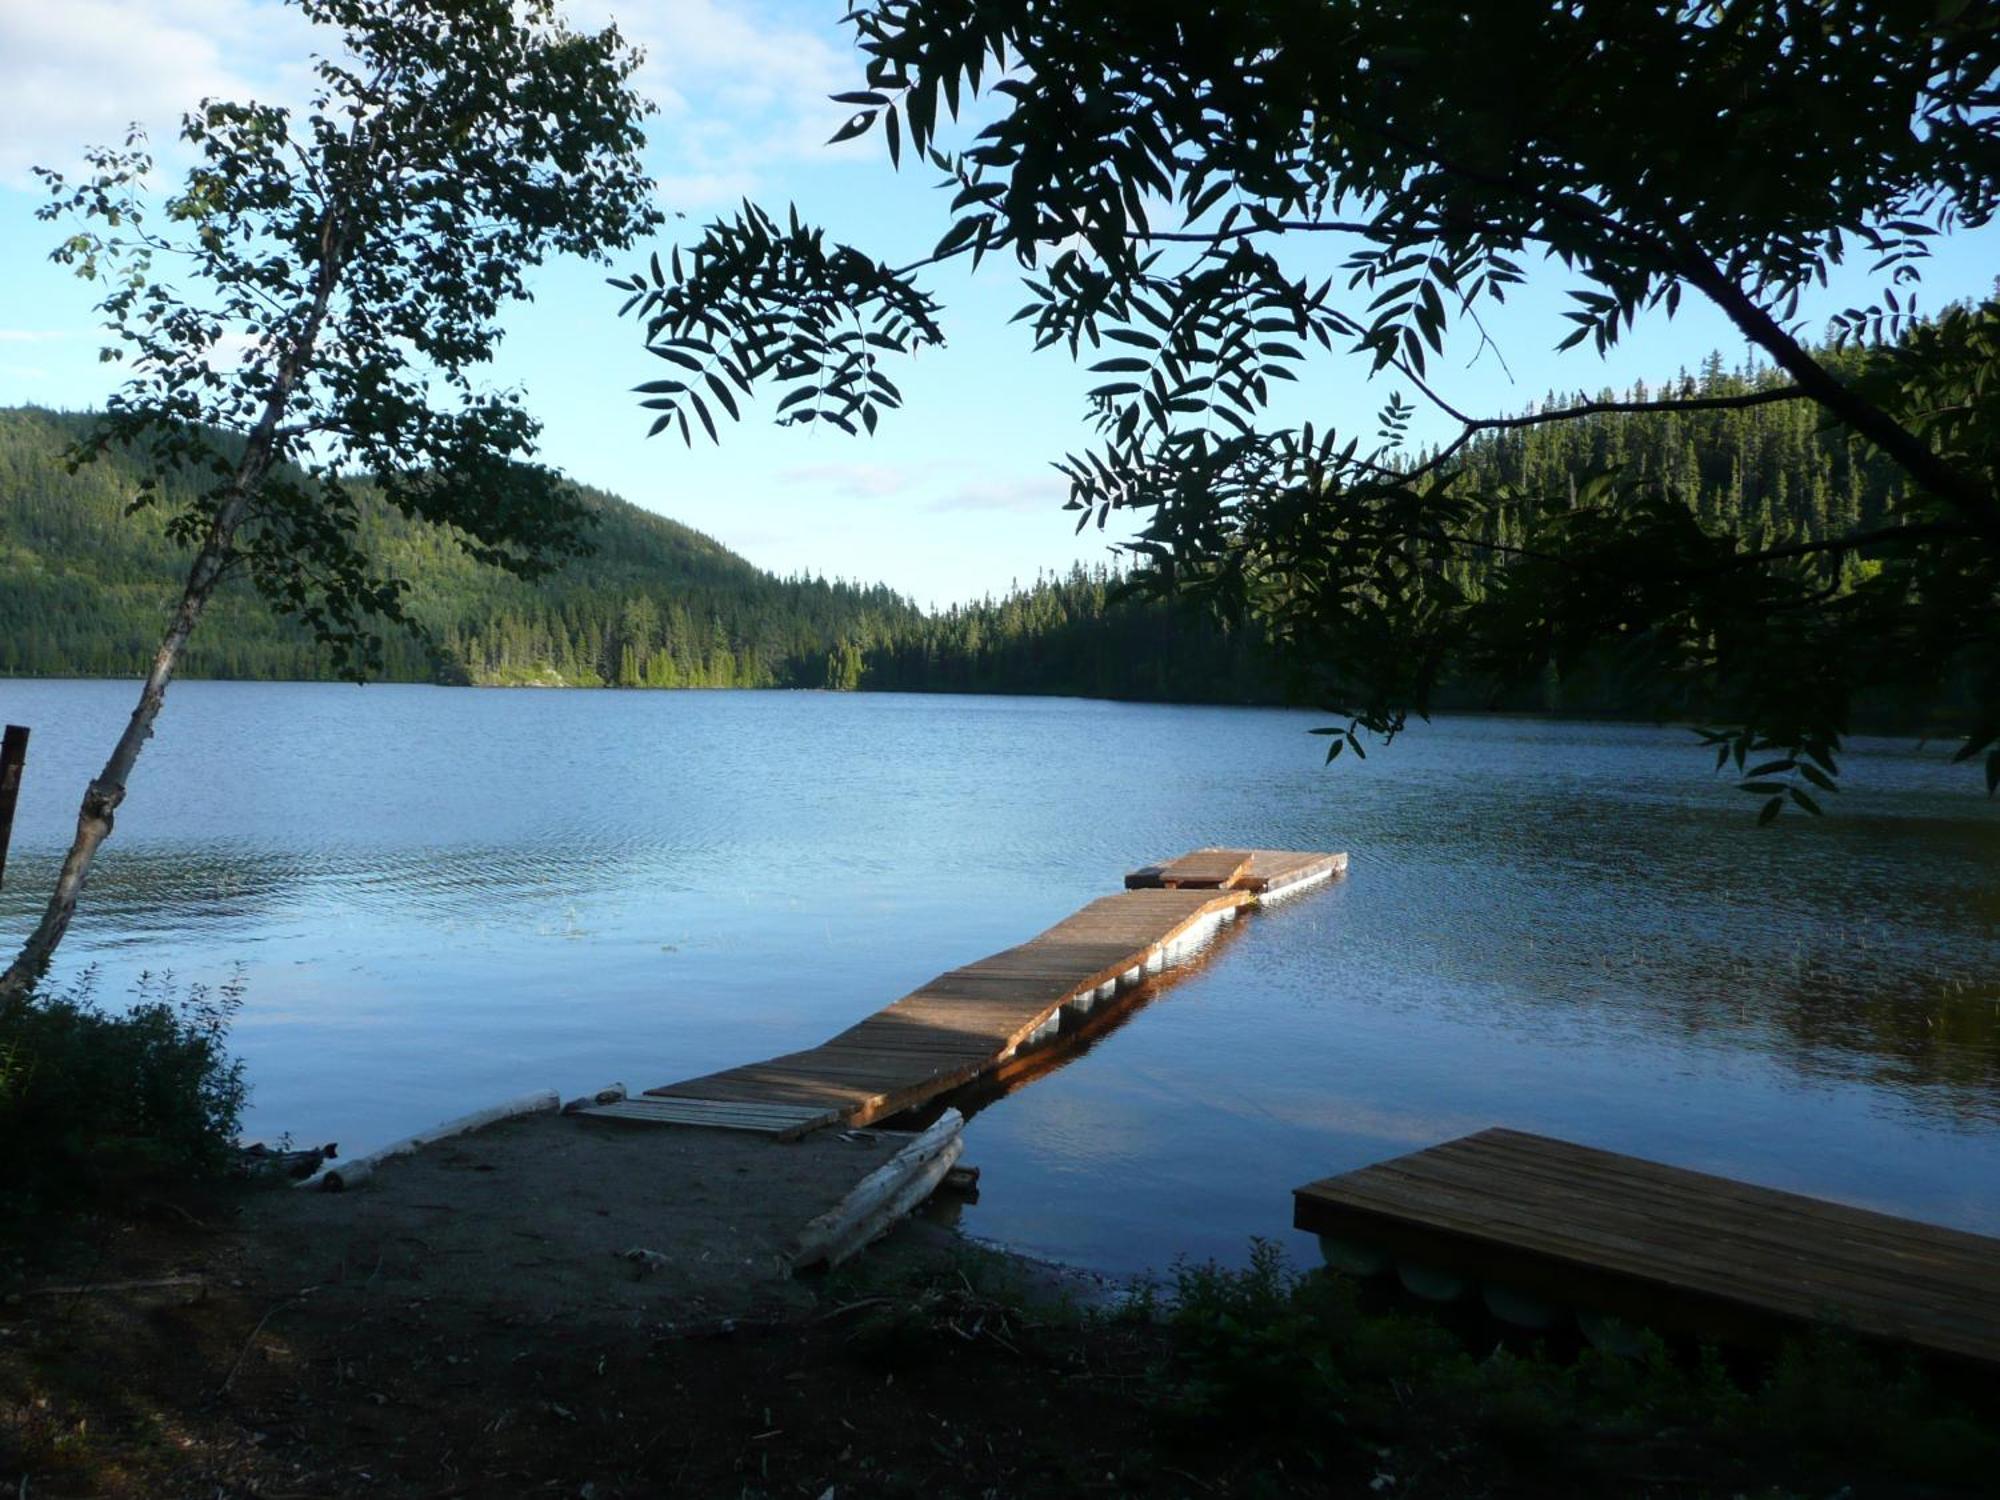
{"x":971,"y":1020}
{"x":1667,"y":1248}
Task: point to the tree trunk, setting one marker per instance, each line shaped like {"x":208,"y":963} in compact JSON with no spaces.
{"x":101,"y":798}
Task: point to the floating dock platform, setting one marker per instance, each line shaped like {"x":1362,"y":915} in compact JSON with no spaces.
{"x":969,"y":1021}
{"x":1543,"y":1222}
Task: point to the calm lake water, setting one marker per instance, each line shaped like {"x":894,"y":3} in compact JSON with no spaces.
{"x":440,"y":897}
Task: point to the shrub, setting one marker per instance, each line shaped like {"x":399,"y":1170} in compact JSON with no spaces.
{"x":94,"y":1103}
{"x":1287,"y":1366}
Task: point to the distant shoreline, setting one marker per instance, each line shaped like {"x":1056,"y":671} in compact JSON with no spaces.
{"x":1865,"y":728}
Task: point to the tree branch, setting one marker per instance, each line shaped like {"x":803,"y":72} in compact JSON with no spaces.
{"x":1962,"y":492}
{"x":1276,"y":226}
{"x":1853,"y":542}
{"x":1600,"y":408}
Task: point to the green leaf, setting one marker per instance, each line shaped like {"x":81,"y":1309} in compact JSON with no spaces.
{"x":854,"y":126}
{"x":679,"y":357}
{"x":1975,"y":742}
{"x":960,"y":234}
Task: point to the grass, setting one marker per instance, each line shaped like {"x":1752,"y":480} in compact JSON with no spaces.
{"x":1313,"y":1371}
{"x":1264,"y":1379}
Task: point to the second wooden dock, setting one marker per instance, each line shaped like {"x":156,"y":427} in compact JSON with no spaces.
{"x":1601,"y":1233}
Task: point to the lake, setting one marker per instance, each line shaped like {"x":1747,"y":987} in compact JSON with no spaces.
{"x":440,"y":897}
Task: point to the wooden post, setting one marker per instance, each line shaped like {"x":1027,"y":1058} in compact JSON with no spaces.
{"x":13,"y":756}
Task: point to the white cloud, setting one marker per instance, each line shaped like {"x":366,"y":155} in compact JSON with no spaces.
{"x":76,"y":73}
{"x":742,"y":87}
{"x":742,"y":90}
{"x":1035,"y":495}
{"x":33,"y":335}
{"x":1027,"y":494}
{"x":853,"y":481}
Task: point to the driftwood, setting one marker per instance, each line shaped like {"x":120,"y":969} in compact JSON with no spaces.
{"x":882,"y":1197}
{"x":648,"y":1261}
{"x":611,"y":1093}
{"x":334,"y":1179}
{"x":260,"y":1160}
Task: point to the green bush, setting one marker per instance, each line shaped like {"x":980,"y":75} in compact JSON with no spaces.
{"x":1287,"y":1367}
{"x":96,"y":1102}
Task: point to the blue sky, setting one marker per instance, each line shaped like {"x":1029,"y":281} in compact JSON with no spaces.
{"x":953,"y":497}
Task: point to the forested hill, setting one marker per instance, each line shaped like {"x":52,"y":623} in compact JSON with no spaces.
{"x":1768,"y":473}
{"x":83,"y":588}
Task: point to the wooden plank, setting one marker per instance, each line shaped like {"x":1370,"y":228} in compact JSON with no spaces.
{"x":1739,"y":1224}
{"x":1276,"y":870}
{"x":731,"y":1085}
{"x":1665,"y":1245}
{"x":1207,"y":869}
{"x":770,"y":1119}
{"x":971,"y":1020}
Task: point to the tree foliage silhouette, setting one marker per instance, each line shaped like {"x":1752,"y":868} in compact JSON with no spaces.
{"x":1172,"y":179}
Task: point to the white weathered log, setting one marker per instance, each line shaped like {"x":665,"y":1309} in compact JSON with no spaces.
{"x":333,"y":1179}
{"x":882,"y":1197}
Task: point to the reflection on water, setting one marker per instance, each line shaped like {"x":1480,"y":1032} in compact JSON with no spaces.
{"x":444,"y":896}
{"x":1080,"y":1027}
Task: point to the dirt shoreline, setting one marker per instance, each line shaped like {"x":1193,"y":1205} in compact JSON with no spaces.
{"x":564,"y":1217}
{"x":469,"y":1323}
{"x":472,"y":1321}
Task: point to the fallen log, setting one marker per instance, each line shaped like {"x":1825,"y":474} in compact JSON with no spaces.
{"x":881,"y":1198}
{"x":260,"y":1160}
{"x":335,"y":1179}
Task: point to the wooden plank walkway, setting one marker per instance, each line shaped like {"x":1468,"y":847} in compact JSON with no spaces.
{"x":1264,"y":872}
{"x":1665,"y":1247}
{"x":948,"y":1032}
{"x":1204,"y":869}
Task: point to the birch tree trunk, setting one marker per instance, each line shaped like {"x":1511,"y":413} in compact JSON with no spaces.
{"x":94,"y":820}
{"x":101,"y":798}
